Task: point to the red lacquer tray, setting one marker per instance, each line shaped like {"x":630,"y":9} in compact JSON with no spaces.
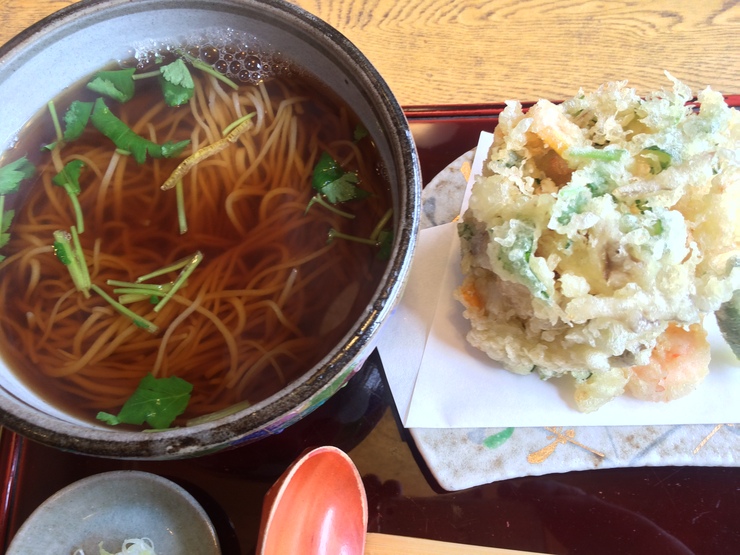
{"x":649,"y":510}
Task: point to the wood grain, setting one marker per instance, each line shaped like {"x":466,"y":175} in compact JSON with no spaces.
{"x":382,"y":544}
{"x":477,"y":51}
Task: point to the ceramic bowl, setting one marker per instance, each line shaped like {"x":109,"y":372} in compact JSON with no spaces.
{"x":76,"y":41}
{"x":115,"y":506}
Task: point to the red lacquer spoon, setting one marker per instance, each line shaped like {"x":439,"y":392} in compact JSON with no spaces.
{"x":319,"y":507}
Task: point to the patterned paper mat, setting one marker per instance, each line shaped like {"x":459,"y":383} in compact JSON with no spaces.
{"x":465,"y":457}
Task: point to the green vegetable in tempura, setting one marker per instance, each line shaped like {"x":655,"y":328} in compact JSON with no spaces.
{"x":596,"y":241}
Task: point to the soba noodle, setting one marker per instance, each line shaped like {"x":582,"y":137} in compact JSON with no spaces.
{"x":249,"y":319}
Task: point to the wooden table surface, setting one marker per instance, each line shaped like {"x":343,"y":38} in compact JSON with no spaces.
{"x":476,"y":51}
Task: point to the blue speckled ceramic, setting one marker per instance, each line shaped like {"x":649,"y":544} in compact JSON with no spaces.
{"x":71,"y":44}
{"x":115,"y":506}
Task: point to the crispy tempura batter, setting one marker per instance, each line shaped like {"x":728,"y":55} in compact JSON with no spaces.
{"x":596,"y":225}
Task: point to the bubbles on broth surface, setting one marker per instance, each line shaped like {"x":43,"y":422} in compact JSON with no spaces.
{"x":239,"y":56}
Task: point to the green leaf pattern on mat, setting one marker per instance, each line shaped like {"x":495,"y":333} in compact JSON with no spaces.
{"x":498,"y":439}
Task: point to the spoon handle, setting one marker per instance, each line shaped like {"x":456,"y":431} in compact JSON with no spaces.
{"x":384,"y":544}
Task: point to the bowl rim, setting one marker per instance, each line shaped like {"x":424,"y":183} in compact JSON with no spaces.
{"x":328,"y":374}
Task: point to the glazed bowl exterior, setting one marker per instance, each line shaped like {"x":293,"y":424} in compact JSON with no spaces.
{"x":73,"y":43}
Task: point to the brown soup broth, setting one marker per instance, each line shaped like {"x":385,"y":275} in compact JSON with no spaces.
{"x":271,"y":296}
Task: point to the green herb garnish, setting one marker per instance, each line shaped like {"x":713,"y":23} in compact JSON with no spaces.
{"x":55,"y":121}
{"x":657,"y":158}
{"x":75,"y":121}
{"x":7,"y":219}
{"x":157,"y":401}
{"x":11,"y":176}
{"x":191,"y":264}
{"x":383,"y":241}
{"x":177,"y":83}
{"x":69,"y":180}
{"x":334,"y":234}
{"x":318,"y":199}
{"x":201,"y":65}
{"x":117,"y":84}
{"x":139,"y":321}
{"x":330,"y":180}
{"x":76,"y":118}
{"x":385,"y":244}
{"x":133,"y":292}
{"x":13,"y":173}
{"x":162,"y":292}
{"x":360,"y":133}
{"x":122,"y":136}
{"x":68,"y":250}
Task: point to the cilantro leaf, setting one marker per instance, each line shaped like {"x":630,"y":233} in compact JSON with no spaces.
{"x":157,"y":401}
{"x":7,"y":220}
{"x":69,"y":177}
{"x":360,"y":133}
{"x":117,"y":84}
{"x":12,"y":174}
{"x":343,"y":189}
{"x":334,"y":183}
{"x":326,"y":170}
{"x":177,"y":83}
{"x":385,"y":244}
{"x":170,"y":149}
{"x":109,"y":125}
{"x":178,"y":73}
{"x":175,"y":95}
{"x":76,"y":118}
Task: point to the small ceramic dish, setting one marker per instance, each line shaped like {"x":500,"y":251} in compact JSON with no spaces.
{"x":112,"y":507}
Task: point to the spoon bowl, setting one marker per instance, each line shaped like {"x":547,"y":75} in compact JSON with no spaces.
{"x":318,"y":506}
